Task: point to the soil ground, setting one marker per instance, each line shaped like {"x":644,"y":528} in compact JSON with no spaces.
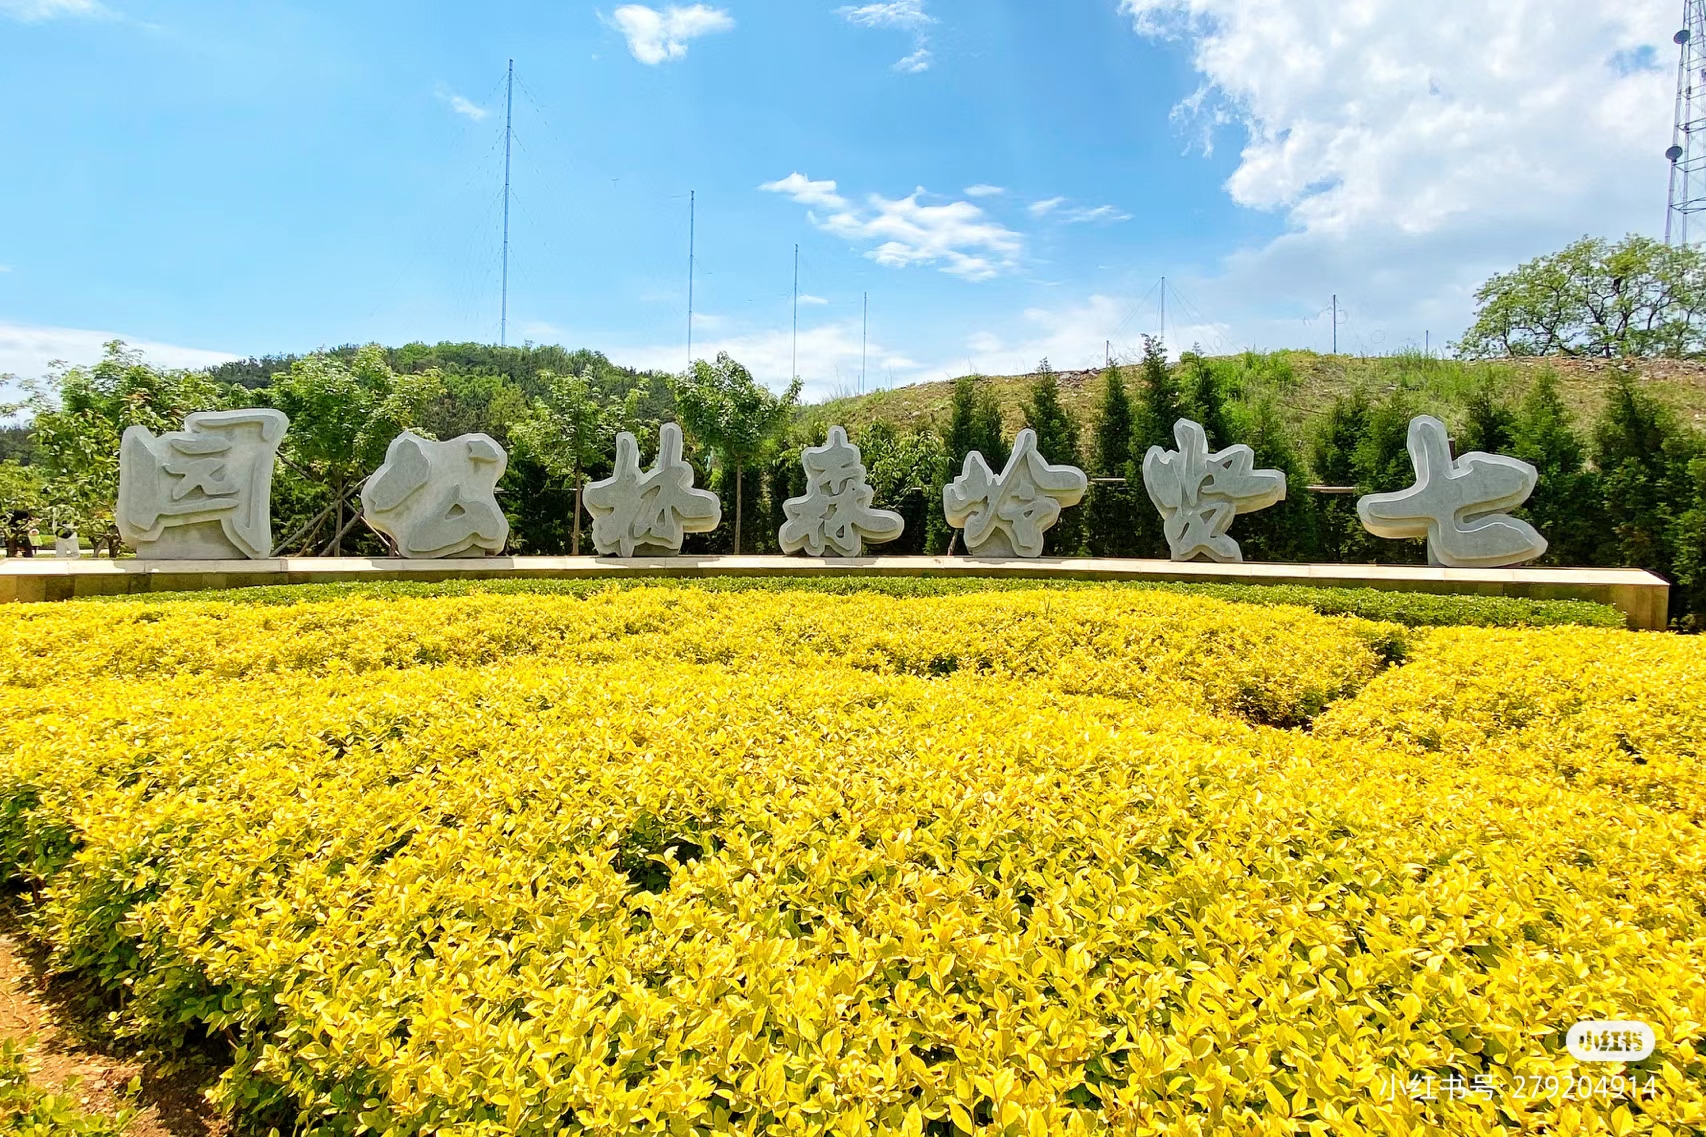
{"x":67,"y":1055}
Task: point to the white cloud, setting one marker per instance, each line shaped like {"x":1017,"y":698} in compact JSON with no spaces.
{"x":916,"y":63}
{"x":1046,"y":206}
{"x":982,"y":190}
{"x":907,"y":14}
{"x":959,"y":236}
{"x":27,"y":350}
{"x":655,"y":36}
{"x":1414,"y":149}
{"x":808,"y":298}
{"x":807,"y":192}
{"x":5,"y":268}
{"x":462,"y":106}
{"x":828,"y":357}
{"x":35,"y":11}
{"x":1077,"y":337}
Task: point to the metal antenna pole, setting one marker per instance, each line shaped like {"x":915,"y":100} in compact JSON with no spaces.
{"x":864,"y":336}
{"x":692,"y":218}
{"x":796,"y":361}
{"x":1335,"y":323}
{"x":509,"y":124}
{"x":1163,"y":310}
{"x":1687,"y":152}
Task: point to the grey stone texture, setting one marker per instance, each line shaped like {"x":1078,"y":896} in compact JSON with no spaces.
{"x":439,"y":499}
{"x":203,"y":492}
{"x":1199,"y":493}
{"x":835,"y":518}
{"x":1007,"y":516}
{"x":648,"y":513}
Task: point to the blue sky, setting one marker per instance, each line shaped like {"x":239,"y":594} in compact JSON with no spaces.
{"x":1010,"y":179}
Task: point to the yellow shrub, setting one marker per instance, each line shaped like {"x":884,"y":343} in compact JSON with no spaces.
{"x":1022,"y":863}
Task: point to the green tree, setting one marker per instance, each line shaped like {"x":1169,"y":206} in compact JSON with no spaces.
{"x":570,"y":429}
{"x":1638,"y":297}
{"x":1161,"y":403}
{"x":974,"y":423}
{"x":1333,"y":459}
{"x":1638,"y":448}
{"x":1204,"y":400}
{"x":1057,"y":442}
{"x":80,"y":415}
{"x":1567,"y":502}
{"x":343,"y":416}
{"x":1112,"y":508}
{"x":907,"y":473}
{"x":1289,"y":529}
{"x":734,"y":416}
{"x":1489,"y":422}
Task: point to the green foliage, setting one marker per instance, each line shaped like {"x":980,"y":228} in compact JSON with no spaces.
{"x":570,"y":429}
{"x":1057,"y":442}
{"x":22,"y":487}
{"x":974,"y":423}
{"x":1414,"y":609}
{"x":907,"y":473}
{"x":27,"y":1110}
{"x":1288,"y":530}
{"x":1638,"y":297}
{"x":734,"y":416}
{"x":1112,"y":509}
{"x":1566,"y":505}
{"x":80,"y":414}
{"x":1490,"y":424}
{"x":1160,"y":401}
{"x":1204,"y":400}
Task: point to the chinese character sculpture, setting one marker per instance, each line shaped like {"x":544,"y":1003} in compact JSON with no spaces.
{"x":1199,"y":493}
{"x":648,"y":514}
{"x":203,"y":492}
{"x":835,"y":517}
{"x":438,"y":499}
{"x":1007,"y":516}
{"x":1458,"y":505}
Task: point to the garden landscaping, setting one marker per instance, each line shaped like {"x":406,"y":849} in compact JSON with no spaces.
{"x":902,"y":857}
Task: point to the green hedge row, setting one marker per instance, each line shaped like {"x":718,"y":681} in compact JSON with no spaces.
{"x":1413,"y":609}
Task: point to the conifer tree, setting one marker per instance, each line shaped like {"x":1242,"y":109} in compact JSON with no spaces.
{"x":1567,"y":503}
{"x":1110,"y":510}
{"x":1287,"y":530}
{"x":1204,"y":400}
{"x":1057,"y":442}
{"x":1333,"y":460}
{"x":1161,"y":403}
{"x":1490,"y":424}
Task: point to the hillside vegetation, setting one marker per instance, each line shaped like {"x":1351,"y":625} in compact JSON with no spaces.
{"x":1303,"y":385}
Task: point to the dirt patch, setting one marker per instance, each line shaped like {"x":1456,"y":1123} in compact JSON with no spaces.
{"x":67,"y":1057}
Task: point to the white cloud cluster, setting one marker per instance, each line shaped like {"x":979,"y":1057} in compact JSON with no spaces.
{"x":984,"y":190}
{"x":905,"y":15}
{"x":35,"y":11}
{"x":1413,"y":148}
{"x":957,"y":235}
{"x":464,"y":107}
{"x":1075,"y":215}
{"x":654,"y":36}
{"x":1073,"y":338}
{"x":829,"y":358}
{"x":26,"y":350}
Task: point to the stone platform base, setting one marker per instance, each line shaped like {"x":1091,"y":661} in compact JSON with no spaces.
{"x":1639,"y":595}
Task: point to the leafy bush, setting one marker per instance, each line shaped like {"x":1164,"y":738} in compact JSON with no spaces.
{"x":680,"y":861}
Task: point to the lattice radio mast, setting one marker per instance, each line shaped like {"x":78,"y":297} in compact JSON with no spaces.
{"x":509,"y":132}
{"x":1687,"y":151}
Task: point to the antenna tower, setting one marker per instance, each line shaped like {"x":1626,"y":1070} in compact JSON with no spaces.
{"x":692,"y":219}
{"x":1687,"y":151}
{"x":795,"y":365}
{"x":509,"y":123}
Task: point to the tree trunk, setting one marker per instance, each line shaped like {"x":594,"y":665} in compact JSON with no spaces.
{"x":575,"y":548}
{"x":338,"y":528}
{"x":738,"y":496}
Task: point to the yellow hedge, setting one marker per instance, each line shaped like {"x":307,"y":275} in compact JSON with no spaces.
{"x":1021,"y":863}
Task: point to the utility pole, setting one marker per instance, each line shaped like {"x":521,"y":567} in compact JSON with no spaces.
{"x":1335,"y":323}
{"x":796,"y":363}
{"x":509,"y":127}
{"x":864,"y":337}
{"x":692,"y":218}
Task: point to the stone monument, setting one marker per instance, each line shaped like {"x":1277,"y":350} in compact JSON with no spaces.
{"x":1199,"y":493}
{"x":438,"y":499}
{"x":835,"y":517}
{"x":203,"y":492}
{"x":1007,"y":516}
{"x":1458,"y":504}
{"x":637,"y":513}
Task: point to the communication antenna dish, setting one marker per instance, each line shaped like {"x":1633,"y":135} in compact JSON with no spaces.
{"x":1680,"y":37}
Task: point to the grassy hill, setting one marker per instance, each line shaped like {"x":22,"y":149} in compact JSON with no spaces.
{"x":1303,"y":384}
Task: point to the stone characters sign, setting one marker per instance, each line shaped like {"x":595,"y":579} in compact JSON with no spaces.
{"x":1199,"y":493}
{"x":648,"y":513}
{"x":203,"y":492}
{"x":1007,"y":516}
{"x":439,"y":499}
{"x":1458,"y":504}
{"x":835,"y":518}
